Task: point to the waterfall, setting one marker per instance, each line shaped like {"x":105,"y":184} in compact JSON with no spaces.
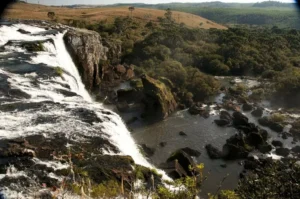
{"x":16,"y":64}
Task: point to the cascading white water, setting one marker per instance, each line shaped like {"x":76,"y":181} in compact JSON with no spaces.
{"x":19,"y":124}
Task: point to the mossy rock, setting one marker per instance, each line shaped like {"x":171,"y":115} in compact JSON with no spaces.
{"x":159,"y":101}
{"x":137,"y":84}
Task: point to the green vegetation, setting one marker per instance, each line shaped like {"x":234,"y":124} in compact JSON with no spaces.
{"x":270,"y":179}
{"x":186,"y":56}
{"x":59,"y":71}
{"x":277,"y":118}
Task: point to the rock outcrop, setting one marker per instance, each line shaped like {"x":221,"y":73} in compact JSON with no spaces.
{"x":159,"y":100}
{"x":86,"y":49}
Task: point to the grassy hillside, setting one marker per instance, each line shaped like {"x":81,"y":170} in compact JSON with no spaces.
{"x":270,"y":13}
{"x":92,"y":15}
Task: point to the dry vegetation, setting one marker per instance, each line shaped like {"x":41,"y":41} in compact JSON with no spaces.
{"x":39,"y":12}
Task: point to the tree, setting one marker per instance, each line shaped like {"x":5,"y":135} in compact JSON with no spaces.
{"x":131,"y":9}
{"x":168,"y":14}
{"x":51,"y":15}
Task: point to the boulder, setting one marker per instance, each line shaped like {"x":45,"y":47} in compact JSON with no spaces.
{"x":181,"y":133}
{"x":258,"y":112}
{"x":120,"y":69}
{"x":162,"y":144}
{"x":239,"y":119}
{"x":191,"y":152}
{"x":265,"y":121}
{"x":231,"y":106}
{"x":265,"y":148}
{"x":277,"y":143}
{"x":86,"y":49}
{"x":213,"y":152}
{"x":123,"y":107}
{"x":222,"y":122}
{"x":276,"y":127}
{"x":196,"y":110}
{"x":129,"y":95}
{"x":224,"y":115}
{"x":159,"y":100}
{"x":296,"y":149}
{"x":24,"y":31}
{"x":247,"y":107}
{"x":236,"y":147}
{"x":283,"y":152}
{"x":255,"y":139}
{"x":181,"y":162}
{"x":148,"y":150}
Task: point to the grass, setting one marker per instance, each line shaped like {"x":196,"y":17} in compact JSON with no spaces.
{"x":93,"y":15}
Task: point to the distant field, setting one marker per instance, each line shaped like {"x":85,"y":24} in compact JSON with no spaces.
{"x":39,"y":12}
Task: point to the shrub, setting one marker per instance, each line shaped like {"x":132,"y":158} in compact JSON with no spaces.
{"x":277,"y":117}
{"x":172,"y":70}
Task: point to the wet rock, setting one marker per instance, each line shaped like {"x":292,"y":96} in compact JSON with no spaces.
{"x":132,"y":120}
{"x":296,"y":149}
{"x":236,"y":147}
{"x":181,"y":162}
{"x":264,"y":121}
{"x":191,"y":152}
{"x":162,"y":144}
{"x":129,"y":95}
{"x":231,"y":106}
{"x":265,"y":148}
{"x":258,"y":112}
{"x":223,"y":165}
{"x":148,"y":150}
{"x":276,"y":127}
{"x":222,"y":122}
{"x":196,"y":110}
{"x":255,"y":139}
{"x":181,"y":133}
{"x":247,"y":107}
{"x":285,"y":135}
{"x":283,"y":152}
{"x":277,"y":143}
{"x":24,"y":31}
{"x":123,"y":107}
{"x":86,"y":115}
{"x":239,"y":119}
{"x":224,"y":115}
{"x":213,"y":152}
{"x":86,"y":49}
{"x":49,"y":119}
{"x":272,"y":125}
{"x":159,"y":100}
{"x":66,"y":93}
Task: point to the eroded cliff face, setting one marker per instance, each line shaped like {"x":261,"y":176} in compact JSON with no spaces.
{"x":86,"y":50}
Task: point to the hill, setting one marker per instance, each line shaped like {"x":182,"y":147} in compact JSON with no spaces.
{"x":39,"y":12}
{"x":269,"y":13}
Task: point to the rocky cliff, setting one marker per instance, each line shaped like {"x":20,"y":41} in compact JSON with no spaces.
{"x":86,"y":50}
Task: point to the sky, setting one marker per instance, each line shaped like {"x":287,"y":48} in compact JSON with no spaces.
{"x":99,"y":2}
